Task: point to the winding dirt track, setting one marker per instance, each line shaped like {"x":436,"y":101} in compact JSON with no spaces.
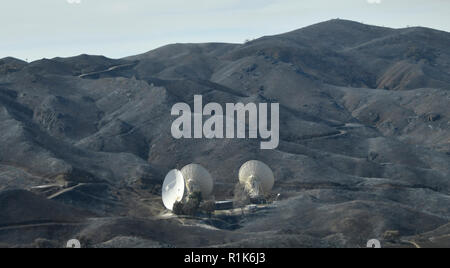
{"x":37,"y":224}
{"x":412,"y":243}
{"x":110,"y":69}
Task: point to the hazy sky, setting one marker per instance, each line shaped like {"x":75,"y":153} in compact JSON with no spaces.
{"x":117,"y":28}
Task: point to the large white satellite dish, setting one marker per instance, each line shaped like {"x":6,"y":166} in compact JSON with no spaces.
{"x":256,"y":177}
{"x":173,"y":188}
{"x":198,"y":179}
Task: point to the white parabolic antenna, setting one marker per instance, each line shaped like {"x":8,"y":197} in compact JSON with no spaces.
{"x":256,"y":177}
{"x":173,"y":188}
{"x":198,"y":179}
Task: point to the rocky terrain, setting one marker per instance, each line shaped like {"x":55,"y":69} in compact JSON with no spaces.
{"x":85,"y":142}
